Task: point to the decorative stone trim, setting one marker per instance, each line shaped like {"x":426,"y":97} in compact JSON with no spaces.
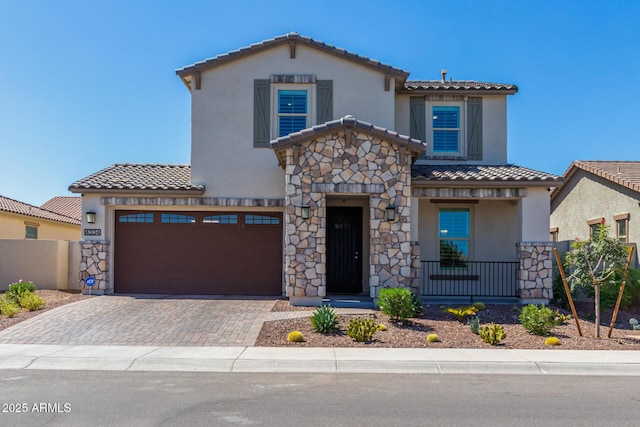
{"x":94,"y":262}
{"x":191,"y":201}
{"x":347,"y":188}
{"x":477,"y":193}
{"x":535,"y":270}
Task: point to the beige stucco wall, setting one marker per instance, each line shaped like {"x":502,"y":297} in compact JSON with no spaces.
{"x":494,"y":127}
{"x":586,"y":197}
{"x":533,"y":214}
{"x":12,"y":226}
{"x":44,"y":262}
{"x":494,"y":229}
{"x":222,"y":116}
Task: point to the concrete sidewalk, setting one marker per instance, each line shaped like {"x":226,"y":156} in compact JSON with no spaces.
{"x":319,"y":360}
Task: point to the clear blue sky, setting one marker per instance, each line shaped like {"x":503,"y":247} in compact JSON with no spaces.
{"x":85,"y":84}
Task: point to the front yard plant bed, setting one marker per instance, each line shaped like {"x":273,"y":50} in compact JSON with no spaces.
{"x":454,"y":334}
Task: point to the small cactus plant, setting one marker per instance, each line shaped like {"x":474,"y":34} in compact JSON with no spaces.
{"x":492,"y":334}
{"x":295,"y":336}
{"x":552,"y":341}
{"x":474,"y":324}
{"x":324,"y":320}
{"x":381,"y":327}
{"x":433,"y":338}
{"x":635,"y":325}
{"x":479,"y":306}
{"x":362,"y":329}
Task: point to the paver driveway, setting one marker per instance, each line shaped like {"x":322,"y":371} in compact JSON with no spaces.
{"x":146,"y":320}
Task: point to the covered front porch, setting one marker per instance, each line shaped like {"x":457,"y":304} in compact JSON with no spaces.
{"x":482,"y":239}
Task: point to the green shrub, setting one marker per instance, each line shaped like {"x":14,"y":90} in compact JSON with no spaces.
{"x":8,"y":308}
{"x":31,"y":302}
{"x":433,"y":338}
{"x":552,"y":341}
{"x":609,"y":290}
{"x":540,"y":320}
{"x":362,"y":329}
{"x":461,"y":313}
{"x":479,"y":306}
{"x":324,"y":320}
{"x":492,"y":334}
{"x":397,"y":303}
{"x":559,"y":293}
{"x":16,"y":290}
{"x":474,"y":324}
{"x":295,"y":336}
{"x":418,"y":307}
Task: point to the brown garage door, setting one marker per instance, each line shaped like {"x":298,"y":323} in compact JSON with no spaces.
{"x":215,"y":253}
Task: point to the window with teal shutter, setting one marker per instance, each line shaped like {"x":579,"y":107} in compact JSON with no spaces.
{"x":292,"y":111}
{"x":446,"y":129}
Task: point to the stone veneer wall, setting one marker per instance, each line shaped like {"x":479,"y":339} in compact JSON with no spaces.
{"x":94,"y":261}
{"x":535,"y":270}
{"x":365,"y":165}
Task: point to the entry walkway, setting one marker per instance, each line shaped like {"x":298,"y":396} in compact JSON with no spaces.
{"x":141,"y":320}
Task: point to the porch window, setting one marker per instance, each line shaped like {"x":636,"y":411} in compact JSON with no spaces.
{"x":453,"y":233}
{"x":446,"y":129}
{"x":293,"y":111}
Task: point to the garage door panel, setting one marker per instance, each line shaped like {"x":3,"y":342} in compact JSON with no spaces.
{"x":199,"y":258}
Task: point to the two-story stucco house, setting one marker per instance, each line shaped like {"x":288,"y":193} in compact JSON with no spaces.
{"x":316,"y":171}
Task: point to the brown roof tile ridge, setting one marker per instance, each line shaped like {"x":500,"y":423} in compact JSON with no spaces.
{"x":37,"y":208}
{"x":590,"y":166}
{"x":289,"y":36}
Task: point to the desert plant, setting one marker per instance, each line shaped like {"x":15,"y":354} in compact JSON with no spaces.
{"x":362,"y":329}
{"x":492,"y":334}
{"x":633,"y":322}
{"x":552,"y":341}
{"x":418,"y":307}
{"x":461,"y":313}
{"x":397,"y":303}
{"x":17,"y":289}
{"x":381,"y":328}
{"x":8,"y":308}
{"x":540,"y":320}
{"x":474,"y":324}
{"x":31,"y":302}
{"x":433,"y":338}
{"x":479,"y":306}
{"x":324,"y":320}
{"x":295,"y":336}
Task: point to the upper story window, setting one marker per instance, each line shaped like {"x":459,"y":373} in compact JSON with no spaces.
{"x":446,"y":129}
{"x":30,"y":232}
{"x":622,"y":227}
{"x":594,"y":226}
{"x":293,"y":111}
{"x":454,"y":235}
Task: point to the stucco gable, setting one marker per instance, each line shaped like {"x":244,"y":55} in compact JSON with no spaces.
{"x":623,"y":173}
{"x":190,"y":73}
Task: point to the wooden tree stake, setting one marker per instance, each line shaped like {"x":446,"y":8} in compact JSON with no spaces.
{"x":566,"y":289}
{"x":624,"y":282}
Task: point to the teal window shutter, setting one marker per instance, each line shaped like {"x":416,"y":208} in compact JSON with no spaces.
{"x":261,"y":113}
{"x":324,"y":96}
{"x":417,"y":119}
{"x":474,"y":129}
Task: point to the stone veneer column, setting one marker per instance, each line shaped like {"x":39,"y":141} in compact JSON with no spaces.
{"x":535,"y":271}
{"x":94,"y":262}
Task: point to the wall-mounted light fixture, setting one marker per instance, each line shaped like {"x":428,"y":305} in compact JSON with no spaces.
{"x":391,"y":213}
{"x":91,"y":217}
{"x":306,"y":212}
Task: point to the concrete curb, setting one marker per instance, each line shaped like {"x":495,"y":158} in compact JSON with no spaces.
{"x":319,"y":360}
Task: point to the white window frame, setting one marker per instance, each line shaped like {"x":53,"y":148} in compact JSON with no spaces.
{"x":311,"y":104}
{"x":462,"y":131}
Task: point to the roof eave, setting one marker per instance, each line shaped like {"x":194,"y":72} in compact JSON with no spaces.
{"x":418,"y":182}
{"x":163,"y":192}
{"x":459,"y":91}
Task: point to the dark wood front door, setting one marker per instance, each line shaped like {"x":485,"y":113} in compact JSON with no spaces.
{"x":344,"y":250}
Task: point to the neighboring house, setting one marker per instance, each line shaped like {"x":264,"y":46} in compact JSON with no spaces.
{"x":20,"y":220}
{"x":594,"y":193}
{"x":70,"y":206}
{"x":317,"y":171}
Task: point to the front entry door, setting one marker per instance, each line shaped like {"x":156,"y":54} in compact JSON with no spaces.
{"x":344,"y":250}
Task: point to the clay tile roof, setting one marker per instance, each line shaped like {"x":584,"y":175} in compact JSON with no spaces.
{"x":139,"y":178}
{"x":286,"y":38}
{"x":70,"y":206}
{"x":21,"y":208}
{"x":624,"y":173}
{"x":466,"y":174}
{"x":432,"y":86}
